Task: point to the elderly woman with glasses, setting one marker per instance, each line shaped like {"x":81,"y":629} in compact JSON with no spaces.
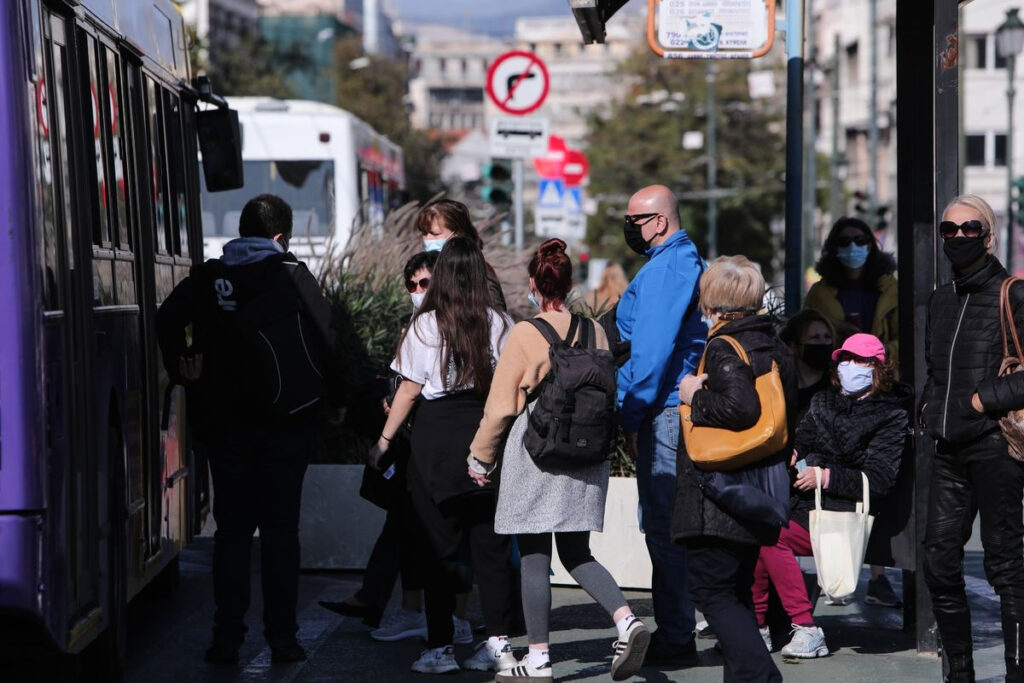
{"x":857,"y":291}
{"x":972,"y":471}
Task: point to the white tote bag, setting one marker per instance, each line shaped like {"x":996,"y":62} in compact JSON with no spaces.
{"x":839,"y":541}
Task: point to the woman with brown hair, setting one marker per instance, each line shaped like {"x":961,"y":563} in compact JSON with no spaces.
{"x":608,"y":293}
{"x":857,"y":425}
{"x":447,"y":359}
{"x":439,"y":221}
{"x":535,"y":504}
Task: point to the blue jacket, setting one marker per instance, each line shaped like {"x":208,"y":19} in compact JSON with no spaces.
{"x":659,"y":315}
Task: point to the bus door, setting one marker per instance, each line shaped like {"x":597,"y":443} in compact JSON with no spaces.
{"x":73,"y":500}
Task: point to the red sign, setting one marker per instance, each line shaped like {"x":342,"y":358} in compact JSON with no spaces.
{"x":518,"y":82}
{"x":562,"y":162}
{"x":575,"y":167}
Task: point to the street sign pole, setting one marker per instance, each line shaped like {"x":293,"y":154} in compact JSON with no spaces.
{"x":517,"y":190}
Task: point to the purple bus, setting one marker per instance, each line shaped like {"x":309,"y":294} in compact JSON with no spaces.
{"x":99,"y":192}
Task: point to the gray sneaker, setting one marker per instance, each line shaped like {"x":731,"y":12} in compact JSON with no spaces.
{"x":808,"y":642}
{"x":880,"y":593}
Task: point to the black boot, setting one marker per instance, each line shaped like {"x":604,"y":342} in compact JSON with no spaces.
{"x":959,"y":668}
{"x":1013,"y":639}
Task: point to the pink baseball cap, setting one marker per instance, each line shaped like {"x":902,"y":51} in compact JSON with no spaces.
{"x":863,"y":345}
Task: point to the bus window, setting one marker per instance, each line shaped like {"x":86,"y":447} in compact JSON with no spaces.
{"x":115,"y":104}
{"x":60,"y":136}
{"x":50,"y":270}
{"x":154,"y":126}
{"x":99,"y":132}
{"x":176,"y":174}
{"x":307,"y":185}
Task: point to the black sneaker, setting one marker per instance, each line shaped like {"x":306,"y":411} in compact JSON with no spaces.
{"x":371,"y":615}
{"x":221,"y":653}
{"x":880,"y":592}
{"x":662,"y":652}
{"x":704,"y":631}
{"x":287,"y":652}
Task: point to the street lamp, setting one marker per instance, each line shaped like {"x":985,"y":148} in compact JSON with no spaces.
{"x":1009,"y":42}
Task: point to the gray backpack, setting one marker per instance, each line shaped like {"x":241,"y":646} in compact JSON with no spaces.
{"x":572,"y":423}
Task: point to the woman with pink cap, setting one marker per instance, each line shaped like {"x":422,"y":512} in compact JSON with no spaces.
{"x":857,"y":425}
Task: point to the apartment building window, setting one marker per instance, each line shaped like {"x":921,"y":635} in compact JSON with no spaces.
{"x":975,"y":150}
{"x":1000,"y":156}
{"x":853,"y":63}
{"x":557,"y":48}
{"x":976,"y":51}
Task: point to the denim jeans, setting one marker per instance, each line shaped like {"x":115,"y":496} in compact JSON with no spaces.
{"x":657,"y":443}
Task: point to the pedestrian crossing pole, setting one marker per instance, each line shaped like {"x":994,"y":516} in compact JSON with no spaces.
{"x":517,"y":190}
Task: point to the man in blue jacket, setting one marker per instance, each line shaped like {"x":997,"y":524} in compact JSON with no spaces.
{"x":658,"y":315}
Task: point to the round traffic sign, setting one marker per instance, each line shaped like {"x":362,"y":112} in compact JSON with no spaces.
{"x":518,"y":82}
{"x":575,"y":167}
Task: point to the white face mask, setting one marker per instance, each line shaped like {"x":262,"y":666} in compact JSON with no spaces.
{"x":417,"y":299}
{"x":434,"y":244}
{"x":855,"y":378}
{"x":532,"y":299}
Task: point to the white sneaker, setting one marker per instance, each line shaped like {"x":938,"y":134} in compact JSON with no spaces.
{"x":439,"y":660}
{"x":401,"y":624}
{"x":522,"y":672}
{"x":808,"y":642}
{"x":629,"y":651}
{"x":839,"y":602}
{"x":490,"y":658}
{"x":463,"y":631}
{"x":766,"y":636}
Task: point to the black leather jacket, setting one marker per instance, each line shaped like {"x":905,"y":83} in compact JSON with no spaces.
{"x":963,"y":351}
{"x":730,"y":400}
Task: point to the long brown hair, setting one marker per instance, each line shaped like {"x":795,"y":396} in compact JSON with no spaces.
{"x":459,"y":298}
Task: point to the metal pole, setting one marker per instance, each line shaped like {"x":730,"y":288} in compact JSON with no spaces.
{"x":836,"y":191}
{"x":712,"y":162}
{"x":811,"y":151}
{"x":873,"y":113}
{"x":517,"y":176}
{"x":1011,"y":63}
{"x":794,"y":151}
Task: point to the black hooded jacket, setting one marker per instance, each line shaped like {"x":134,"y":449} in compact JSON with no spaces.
{"x":963,"y":351}
{"x":849,"y":436}
{"x":731,"y":401}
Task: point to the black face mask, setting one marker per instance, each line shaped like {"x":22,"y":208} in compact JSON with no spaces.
{"x":963,"y":252}
{"x":634,"y":235}
{"x":817,"y":356}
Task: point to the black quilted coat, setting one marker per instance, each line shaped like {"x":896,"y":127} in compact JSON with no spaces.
{"x":731,"y":401}
{"x":963,"y":350}
{"x":849,"y":436}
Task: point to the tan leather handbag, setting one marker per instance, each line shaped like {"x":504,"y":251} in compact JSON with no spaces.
{"x":1012,"y":423}
{"x":716,"y":448}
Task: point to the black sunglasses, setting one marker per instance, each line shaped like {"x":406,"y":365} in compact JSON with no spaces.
{"x":973,"y":229}
{"x":423,"y":282}
{"x":847,"y":240}
{"x":635,"y":218}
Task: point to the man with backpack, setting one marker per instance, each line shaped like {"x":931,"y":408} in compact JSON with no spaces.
{"x":250,"y":337}
{"x":658,"y":316}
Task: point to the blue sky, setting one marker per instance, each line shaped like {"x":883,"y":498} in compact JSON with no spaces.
{"x":489,"y":16}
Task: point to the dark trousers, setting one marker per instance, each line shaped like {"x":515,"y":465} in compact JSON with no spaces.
{"x":720,"y":575}
{"x":979,"y":477}
{"x":257,"y":483}
{"x":444,"y":528}
{"x":393,"y":554}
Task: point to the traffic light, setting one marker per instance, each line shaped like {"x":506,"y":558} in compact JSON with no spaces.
{"x":496,"y":183}
{"x":591,"y":15}
{"x":881,"y":218}
{"x":583,"y":269}
{"x":1017,"y":190}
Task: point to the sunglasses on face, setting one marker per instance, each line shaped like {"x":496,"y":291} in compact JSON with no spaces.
{"x":847,"y":240}
{"x":640,"y":219}
{"x":949,"y":229}
{"x":423,"y":282}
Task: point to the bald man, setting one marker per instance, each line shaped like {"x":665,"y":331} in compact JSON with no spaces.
{"x":658,"y":314}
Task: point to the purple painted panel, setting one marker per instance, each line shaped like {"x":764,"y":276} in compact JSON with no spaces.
{"x":21,"y":485}
{"x":20,"y":578}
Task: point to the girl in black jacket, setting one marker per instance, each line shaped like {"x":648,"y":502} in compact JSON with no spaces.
{"x":856,"y":426}
{"x":722,"y":542}
{"x":972,"y":471}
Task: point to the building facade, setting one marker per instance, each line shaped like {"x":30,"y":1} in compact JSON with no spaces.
{"x":221,"y":22}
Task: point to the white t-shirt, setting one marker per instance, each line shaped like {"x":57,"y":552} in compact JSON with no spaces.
{"x":419,"y":359}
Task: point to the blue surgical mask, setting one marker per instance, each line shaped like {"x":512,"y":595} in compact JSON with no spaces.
{"x":854,"y":378}
{"x":434,"y":244}
{"x":533,"y":299}
{"x":707,"y":321}
{"x":853,"y":255}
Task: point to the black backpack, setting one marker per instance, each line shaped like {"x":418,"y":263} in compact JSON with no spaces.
{"x":572,"y":423}
{"x":281,"y":354}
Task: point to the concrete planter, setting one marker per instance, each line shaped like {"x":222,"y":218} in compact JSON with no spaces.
{"x":337,"y":528}
{"x":620,"y":547}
